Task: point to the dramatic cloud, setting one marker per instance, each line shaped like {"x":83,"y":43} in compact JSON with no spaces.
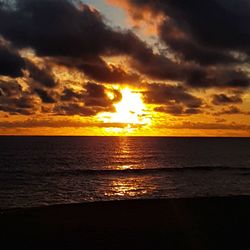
{"x":90,"y":100}
{"x":62,"y":58}
{"x":231,"y":110}
{"x":10,"y":89}
{"x":214,"y":35}
{"x":168,"y":94}
{"x":75,"y":36}
{"x":92,"y":94}
{"x":222,"y":99}
{"x":93,"y":98}
{"x":96,"y":95}
{"x":97,"y":69}
{"x":217,"y":77}
{"x":200,"y":30}
{"x":14,"y":100}
{"x":11,"y":63}
{"x":69,"y":94}
{"x":44,"y":95}
{"x":188,"y":49}
{"x":175,"y":100}
{"x":212,"y":23}
{"x":42,"y":76}
{"x":178,"y":110}
{"x":74,"y":109}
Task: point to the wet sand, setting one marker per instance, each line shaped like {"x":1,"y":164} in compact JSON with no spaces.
{"x":192,"y":223}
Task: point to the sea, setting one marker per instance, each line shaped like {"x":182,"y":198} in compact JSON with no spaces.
{"x":41,"y":171}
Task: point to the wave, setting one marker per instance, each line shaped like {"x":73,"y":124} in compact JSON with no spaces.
{"x":132,"y":171}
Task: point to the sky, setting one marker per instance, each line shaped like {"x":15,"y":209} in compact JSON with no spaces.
{"x":127,"y":67}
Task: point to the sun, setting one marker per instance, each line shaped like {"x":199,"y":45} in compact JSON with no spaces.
{"x":130,"y":110}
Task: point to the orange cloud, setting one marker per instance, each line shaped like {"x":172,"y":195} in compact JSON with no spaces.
{"x":144,"y":19}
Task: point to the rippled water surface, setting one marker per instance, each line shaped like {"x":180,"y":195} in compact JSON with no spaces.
{"x":37,"y":171}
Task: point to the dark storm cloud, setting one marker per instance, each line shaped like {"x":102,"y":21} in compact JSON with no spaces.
{"x":217,"y":77}
{"x":44,"y":95}
{"x":11,"y":63}
{"x":174,"y":100}
{"x":169,"y":94}
{"x":9,"y":89}
{"x":78,"y":37}
{"x":52,"y":27}
{"x":218,"y":24}
{"x":178,"y":110}
{"x":102,"y":72}
{"x":204,"y":31}
{"x":69,"y":94}
{"x":222,"y":99}
{"x":12,"y":109}
{"x":74,"y":109}
{"x":16,"y":105}
{"x":92,"y":94}
{"x":188,"y":49}
{"x":159,"y":67}
{"x":96,"y":95}
{"x":75,"y":35}
{"x":209,"y":39}
{"x":14,"y":100}
{"x":97,"y":69}
{"x":42,"y":76}
{"x":90,"y":99}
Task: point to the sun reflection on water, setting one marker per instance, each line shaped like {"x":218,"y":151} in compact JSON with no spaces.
{"x":125,"y":167}
{"x":130,"y":187}
{"x":128,"y":183}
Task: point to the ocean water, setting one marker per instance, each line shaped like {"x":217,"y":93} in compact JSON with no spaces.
{"x":38,"y":171}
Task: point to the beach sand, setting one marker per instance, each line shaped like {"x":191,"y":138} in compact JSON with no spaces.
{"x":191,"y":223}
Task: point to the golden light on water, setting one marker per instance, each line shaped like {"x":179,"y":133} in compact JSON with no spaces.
{"x":130,"y":187}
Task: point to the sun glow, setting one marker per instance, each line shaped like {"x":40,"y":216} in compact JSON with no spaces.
{"x":130,"y":110}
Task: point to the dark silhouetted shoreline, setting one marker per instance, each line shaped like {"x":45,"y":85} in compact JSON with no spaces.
{"x":191,"y":223}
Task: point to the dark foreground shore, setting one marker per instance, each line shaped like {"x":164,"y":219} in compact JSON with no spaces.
{"x":197,"y":223}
